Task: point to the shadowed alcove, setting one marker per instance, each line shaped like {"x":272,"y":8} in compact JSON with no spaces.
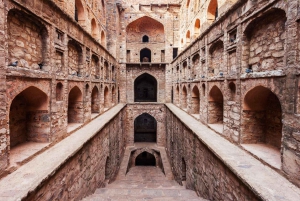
{"x":145,"y":128}
{"x":145,"y":88}
{"x":145,"y":159}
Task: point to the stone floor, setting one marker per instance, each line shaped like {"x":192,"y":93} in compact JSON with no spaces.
{"x":266,"y":153}
{"x":144,"y":183}
{"x":24,"y":152}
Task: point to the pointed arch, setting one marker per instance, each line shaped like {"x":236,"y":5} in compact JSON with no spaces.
{"x":75,"y":106}
{"x":177,"y":95}
{"x":106,"y":98}
{"x":145,"y":55}
{"x":195,"y":100}
{"x":261,"y":118}
{"x":184,"y":98}
{"x":28,"y":111}
{"x":188,"y":37}
{"x":215,"y":106}
{"x":59,"y":91}
{"x":212,"y":11}
{"x":145,"y":159}
{"x":103,"y":39}
{"x":145,"y":128}
{"x":197,"y":28}
{"x":94,"y":28}
{"x":95,"y":105}
{"x":145,"y":88}
{"x":79,"y":12}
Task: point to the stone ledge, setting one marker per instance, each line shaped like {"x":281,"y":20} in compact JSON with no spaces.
{"x":266,"y":183}
{"x":27,"y":178}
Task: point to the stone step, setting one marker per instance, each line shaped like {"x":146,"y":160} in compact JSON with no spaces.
{"x":145,"y":184}
{"x":144,"y":194}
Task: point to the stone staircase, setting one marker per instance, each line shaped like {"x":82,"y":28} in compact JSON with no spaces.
{"x":145,"y":183}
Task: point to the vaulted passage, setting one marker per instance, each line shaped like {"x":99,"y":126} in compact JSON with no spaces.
{"x":145,"y":159}
{"x":145,"y":89}
{"x":145,"y":128}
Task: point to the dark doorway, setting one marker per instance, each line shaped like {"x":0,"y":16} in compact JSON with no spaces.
{"x":145,"y":128}
{"x":145,"y":39}
{"x":145,"y":55}
{"x":145,"y":88}
{"x":145,"y":159}
{"x":183,"y":170}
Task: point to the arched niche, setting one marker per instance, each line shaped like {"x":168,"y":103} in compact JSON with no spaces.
{"x":106,"y":98}
{"x":197,"y":28}
{"x":75,"y":106}
{"x":261,"y":118}
{"x":145,"y":26}
{"x":145,"y":55}
{"x":95,"y":68}
{"x":188,"y":37}
{"x":145,"y":159}
{"x":184,"y":98}
{"x":212,"y":11}
{"x":59,"y":92}
{"x":103,"y":39}
{"x":79,"y":12}
{"x":95,"y":106}
{"x":145,"y":88}
{"x":195,"y":100}
{"x":75,"y":58}
{"x":145,"y":128}
{"x":266,"y":35}
{"x":27,"y":40}
{"x":215,"y":106}
{"x":29,"y":118}
{"x":216,"y":52}
{"x":177,"y":95}
{"x":145,"y":39}
{"x":94,"y":28}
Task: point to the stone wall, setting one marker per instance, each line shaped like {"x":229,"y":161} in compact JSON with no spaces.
{"x":89,"y":168}
{"x":27,"y":40}
{"x":134,"y":71}
{"x":204,"y":173}
{"x":61,"y":51}
{"x":155,"y":110}
{"x":260,"y":45}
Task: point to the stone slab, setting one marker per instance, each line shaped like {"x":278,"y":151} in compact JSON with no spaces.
{"x":265,"y":182}
{"x":27,"y":178}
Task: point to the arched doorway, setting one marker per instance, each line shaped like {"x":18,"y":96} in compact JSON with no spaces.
{"x":29,"y":117}
{"x":145,"y":88}
{"x":75,"y":107}
{"x":261,"y":118}
{"x":106,"y":98}
{"x":177,"y":96}
{"x":195,"y":100}
{"x":145,"y":159}
{"x":95,"y":100}
{"x":184,"y":98}
{"x":145,"y":127}
{"x":215,"y":106}
{"x":145,"y":55}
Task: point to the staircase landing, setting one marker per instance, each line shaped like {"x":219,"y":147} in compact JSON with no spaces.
{"x":145,"y":183}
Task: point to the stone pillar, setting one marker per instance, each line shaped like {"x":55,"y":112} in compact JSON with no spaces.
{"x":4,"y":139}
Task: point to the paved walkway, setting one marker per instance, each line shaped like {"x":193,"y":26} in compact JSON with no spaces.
{"x":144,"y":183}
